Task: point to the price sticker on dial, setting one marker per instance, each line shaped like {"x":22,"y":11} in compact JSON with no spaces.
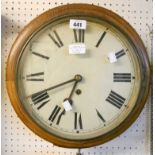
{"x":112,"y":57}
{"x":67,"y":106}
{"x":78,"y":24}
{"x":77,"y":48}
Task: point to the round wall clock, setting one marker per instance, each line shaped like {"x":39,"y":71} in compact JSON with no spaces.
{"x":78,"y":75}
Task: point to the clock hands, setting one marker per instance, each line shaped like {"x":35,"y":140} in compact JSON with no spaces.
{"x":76,"y":78}
{"x":74,"y":86}
{"x":68,"y":101}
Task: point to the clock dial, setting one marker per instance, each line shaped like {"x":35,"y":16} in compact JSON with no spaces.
{"x":106,"y":88}
{"x":78,"y":75}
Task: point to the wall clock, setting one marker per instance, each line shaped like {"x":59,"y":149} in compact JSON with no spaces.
{"x":78,"y":75}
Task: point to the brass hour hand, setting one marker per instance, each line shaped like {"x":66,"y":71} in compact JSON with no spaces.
{"x":78,"y":78}
{"x":68,"y":101}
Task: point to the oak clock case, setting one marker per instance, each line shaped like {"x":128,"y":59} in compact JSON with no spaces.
{"x":82,"y":99}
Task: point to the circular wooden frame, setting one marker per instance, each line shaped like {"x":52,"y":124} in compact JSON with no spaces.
{"x":64,"y":11}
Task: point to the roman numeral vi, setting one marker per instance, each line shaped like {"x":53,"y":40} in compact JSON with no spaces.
{"x":78,"y":121}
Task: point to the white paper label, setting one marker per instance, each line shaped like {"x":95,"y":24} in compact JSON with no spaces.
{"x":78,"y":48}
{"x":112,"y":57}
{"x":78,"y":24}
{"x":67,"y":106}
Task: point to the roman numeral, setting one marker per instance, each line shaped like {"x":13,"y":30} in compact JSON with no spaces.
{"x":57,"y":113}
{"x":115,"y":99}
{"x":122,"y":77}
{"x":40,"y":55}
{"x":120,"y":53}
{"x":79,"y":35}
{"x":78,"y":121}
{"x":40,"y":98}
{"x":101,"y":38}
{"x":35,"y":77}
{"x":56,"y":39}
{"x":100,"y":116}
{"x":37,"y":54}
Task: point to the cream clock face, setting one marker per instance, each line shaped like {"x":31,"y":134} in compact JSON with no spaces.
{"x":79,"y":95}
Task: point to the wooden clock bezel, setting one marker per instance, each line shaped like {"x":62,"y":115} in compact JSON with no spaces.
{"x":63,"y":11}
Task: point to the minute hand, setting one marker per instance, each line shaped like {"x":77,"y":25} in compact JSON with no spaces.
{"x":76,"y":78}
{"x":60,"y":84}
{"x":53,"y":87}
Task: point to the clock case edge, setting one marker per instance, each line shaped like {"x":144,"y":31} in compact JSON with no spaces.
{"x":62,"y":11}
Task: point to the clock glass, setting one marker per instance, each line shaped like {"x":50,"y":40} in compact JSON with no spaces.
{"x":78,"y":83}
